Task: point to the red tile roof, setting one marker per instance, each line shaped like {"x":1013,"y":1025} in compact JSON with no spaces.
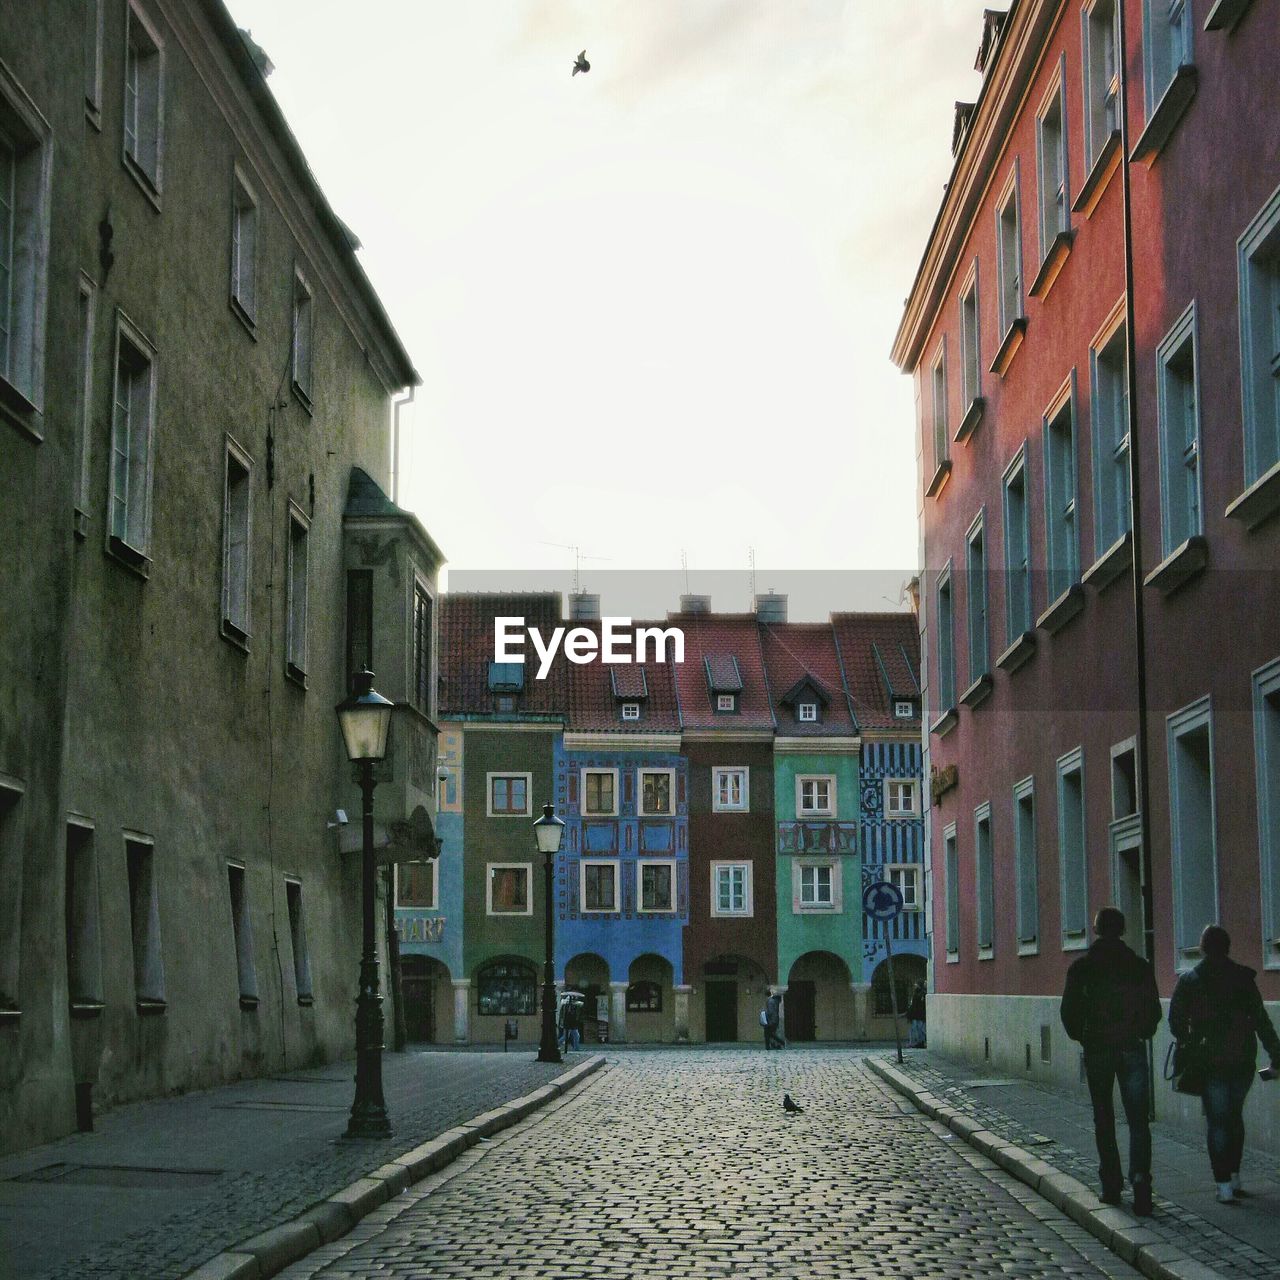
{"x":628,"y":681}
{"x":597,"y":691}
{"x":720,"y":636}
{"x":800,"y":651}
{"x":466,"y":650}
{"x":880,"y":655}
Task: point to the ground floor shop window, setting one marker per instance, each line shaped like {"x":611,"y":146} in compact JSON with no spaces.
{"x":507,"y":988}
{"x":644,"y":997}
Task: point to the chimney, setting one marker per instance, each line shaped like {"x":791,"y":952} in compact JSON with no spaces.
{"x":771,"y":607}
{"x":695,"y":604}
{"x":584,"y":606}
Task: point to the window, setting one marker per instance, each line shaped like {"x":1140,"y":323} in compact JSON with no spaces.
{"x":946,"y":646}
{"x":422,"y":680}
{"x":941,"y":434}
{"x":507,"y":988}
{"x":1166,"y":29}
{"x":815,"y":796}
{"x":244,"y":248}
{"x":143,"y":101}
{"x":91,"y":18}
{"x":509,"y":795}
{"x":83,"y":918}
{"x":1019,"y":616}
{"x":600,"y":792}
{"x":731,"y":888}
{"x":816,"y":885}
{"x":416,"y":885}
{"x":1266,"y":736}
{"x":1026,"y":867}
{"x":657,"y":886}
{"x":1102,"y":76}
{"x":729,"y":791}
{"x":631,"y":711}
{"x":359,"y":622}
{"x":1178,"y":409}
{"x":979,"y":660}
{"x":1124,"y":780}
{"x":951,"y":861}
{"x":1073,"y":885}
{"x":242,"y":936}
{"x":237,"y":498}
{"x":1009,"y":239}
{"x":144,"y":924}
{"x":655,"y":792}
{"x":970,"y":368}
{"x":298,"y":937}
{"x":906,"y":879}
{"x":131,"y":434}
{"x":1259,"y":265}
{"x":644,"y":997}
{"x":302,"y":335}
{"x":598,"y":886}
{"x":1051,"y":133}
{"x":726,"y":702}
{"x":901,"y":798}
{"x":510,"y":886}
{"x":1109,"y":369}
{"x":903,"y":710}
{"x":1060,"y":496}
{"x":87,"y":297}
{"x":1193,"y":828}
{"x":984,"y":880}
{"x":296,"y":604}
{"x":807,"y":712}
{"x":25,"y":161}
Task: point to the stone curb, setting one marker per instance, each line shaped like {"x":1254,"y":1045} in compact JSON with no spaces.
{"x":1127,"y":1237}
{"x":268,"y":1252}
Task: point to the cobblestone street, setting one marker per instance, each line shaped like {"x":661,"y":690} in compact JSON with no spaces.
{"x":686,"y":1164}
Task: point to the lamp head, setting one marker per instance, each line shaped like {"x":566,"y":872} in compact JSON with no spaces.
{"x":549,"y":830}
{"x":365,"y":719}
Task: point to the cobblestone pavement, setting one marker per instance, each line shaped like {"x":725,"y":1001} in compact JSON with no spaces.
{"x":276,"y":1144}
{"x":685,"y":1164}
{"x":1058,"y":1127}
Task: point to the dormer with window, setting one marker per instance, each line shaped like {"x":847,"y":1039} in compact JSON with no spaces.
{"x":807,"y":700}
{"x":630,"y":691}
{"x":724,"y":682}
{"x":506,"y":684}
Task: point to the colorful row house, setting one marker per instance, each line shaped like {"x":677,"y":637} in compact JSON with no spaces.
{"x":716,"y":817}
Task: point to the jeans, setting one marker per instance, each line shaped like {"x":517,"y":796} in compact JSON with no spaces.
{"x":572,"y":1038}
{"x":1104,"y":1068}
{"x":773,"y":1036}
{"x":916,"y":1039}
{"x":1223,"y":1100}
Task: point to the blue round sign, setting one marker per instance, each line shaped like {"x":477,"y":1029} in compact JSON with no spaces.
{"x":882,"y":900}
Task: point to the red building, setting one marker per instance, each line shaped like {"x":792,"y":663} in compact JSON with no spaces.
{"x":1094,"y":334}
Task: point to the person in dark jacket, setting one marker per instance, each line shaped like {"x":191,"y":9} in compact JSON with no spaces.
{"x":773,"y":1022}
{"x":915,"y":1016}
{"x":1112,"y":1007}
{"x":1218,"y":1010}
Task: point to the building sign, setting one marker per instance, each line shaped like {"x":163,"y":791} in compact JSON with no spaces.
{"x":420,"y":928}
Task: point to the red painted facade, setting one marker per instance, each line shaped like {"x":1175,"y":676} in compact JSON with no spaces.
{"x":1219,"y":166}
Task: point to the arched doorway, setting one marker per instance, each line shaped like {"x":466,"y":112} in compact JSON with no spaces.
{"x":426,"y":991}
{"x":734,"y":990}
{"x":907,"y":971}
{"x":588,"y":974}
{"x":819,"y":1000}
{"x":650,"y":1007}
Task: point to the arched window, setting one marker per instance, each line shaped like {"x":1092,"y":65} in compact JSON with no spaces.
{"x":644,"y":997}
{"x":507,"y":988}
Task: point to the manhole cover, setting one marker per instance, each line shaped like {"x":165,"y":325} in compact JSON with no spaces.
{"x":120,"y":1175}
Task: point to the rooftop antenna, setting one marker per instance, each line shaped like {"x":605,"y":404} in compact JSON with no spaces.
{"x":751,"y":558}
{"x":578,"y":557}
{"x":684,"y":568}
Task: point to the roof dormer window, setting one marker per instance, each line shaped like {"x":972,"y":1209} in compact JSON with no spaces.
{"x":904,"y":710}
{"x":807,"y":712}
{"x":726,"y":702}
{"x":631,"y":711}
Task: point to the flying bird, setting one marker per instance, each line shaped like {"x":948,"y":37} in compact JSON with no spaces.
{"x":790,"y":1107}
{"x":581,"y":63}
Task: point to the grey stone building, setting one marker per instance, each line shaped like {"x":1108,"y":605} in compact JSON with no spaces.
{"x":196,"y":384}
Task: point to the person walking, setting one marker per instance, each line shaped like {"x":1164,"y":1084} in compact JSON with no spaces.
{"x":573,"y":1024}
{"x":916,"y":1016}
{"x":1217,"y":1013}
{"x":773,"y":1022}
{"x":1111,"y":1006}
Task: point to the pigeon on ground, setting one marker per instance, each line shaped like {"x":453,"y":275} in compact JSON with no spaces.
{"x":580,"y":63}
{"x":790,"y":1107}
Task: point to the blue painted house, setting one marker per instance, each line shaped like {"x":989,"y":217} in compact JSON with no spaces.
{"x":622,"y":882}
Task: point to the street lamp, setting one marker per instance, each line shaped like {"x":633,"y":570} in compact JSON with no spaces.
{"x":365,"y":718}
{"x":549,"y":829}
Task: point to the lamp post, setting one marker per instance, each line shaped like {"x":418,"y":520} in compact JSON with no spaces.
{"x":365,"y":718}
{"x":549,"y":829}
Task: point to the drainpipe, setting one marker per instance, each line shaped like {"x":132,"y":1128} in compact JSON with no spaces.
{"x":397,"y":403}
{"x":1135,"y":522}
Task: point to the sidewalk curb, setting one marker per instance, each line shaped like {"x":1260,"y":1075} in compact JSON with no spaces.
{"x":1127,"y":1237}
{"x":268,"y":1252}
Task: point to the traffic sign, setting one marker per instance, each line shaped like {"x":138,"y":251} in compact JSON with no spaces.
{"x":882,"y":900}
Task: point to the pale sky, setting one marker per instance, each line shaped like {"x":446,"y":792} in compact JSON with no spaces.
{"x":659,"y":296}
